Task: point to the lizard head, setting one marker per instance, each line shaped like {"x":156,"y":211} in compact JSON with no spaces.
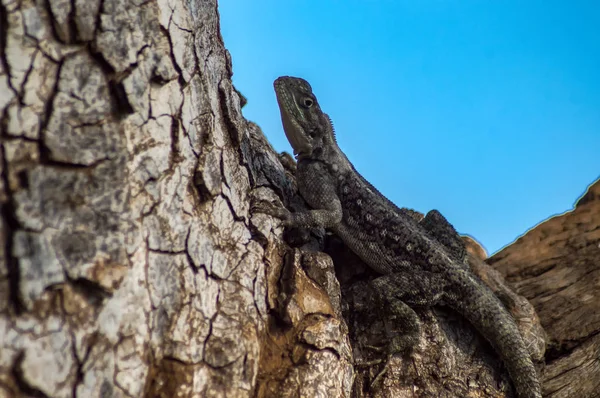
{"x":306,"y":127}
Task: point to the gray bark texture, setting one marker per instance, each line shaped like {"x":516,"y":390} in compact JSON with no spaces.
{"x":131,"y":264}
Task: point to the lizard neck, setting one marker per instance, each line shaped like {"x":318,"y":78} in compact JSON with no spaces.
{"x":328,"y":152}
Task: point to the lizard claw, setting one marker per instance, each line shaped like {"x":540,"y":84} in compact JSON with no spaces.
{"x":381,"y":373}
{"x":366,"y":364}
{"x":376,"y":348}
{"x":270,"y":209}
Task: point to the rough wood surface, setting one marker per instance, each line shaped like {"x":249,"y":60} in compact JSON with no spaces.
{"x":556,"y":265}
{"x":131,"y":265}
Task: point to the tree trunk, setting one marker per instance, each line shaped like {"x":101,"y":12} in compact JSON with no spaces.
{"x":132,"y":265}
{"x":556,"y":265}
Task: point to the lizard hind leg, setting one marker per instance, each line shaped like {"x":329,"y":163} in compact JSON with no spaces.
{"x":415,"y":287}
{"x":437,"y":225}
{"x":402,"y":330}
{"x":396,"y":293}
{"x":402,"y":327}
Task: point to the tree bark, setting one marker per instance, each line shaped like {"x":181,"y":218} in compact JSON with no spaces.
{"x":132,"y":264}
{"x":556,"y":266}
{"x":129,"y":267}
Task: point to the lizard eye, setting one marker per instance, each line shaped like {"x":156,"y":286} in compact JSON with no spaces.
{"x":308,"y":102}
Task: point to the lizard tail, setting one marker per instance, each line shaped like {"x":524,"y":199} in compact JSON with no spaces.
{"x":480,"y":306}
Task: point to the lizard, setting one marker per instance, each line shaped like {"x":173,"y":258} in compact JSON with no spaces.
{"x":420,"y":261}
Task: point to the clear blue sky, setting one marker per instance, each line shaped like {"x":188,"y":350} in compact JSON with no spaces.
{"x":486,"y":110}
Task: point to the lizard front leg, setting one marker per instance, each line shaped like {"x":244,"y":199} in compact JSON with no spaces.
{"x":325,"y":218}
{"x":317,"y":188}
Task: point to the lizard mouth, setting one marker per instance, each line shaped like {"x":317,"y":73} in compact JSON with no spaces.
{"x":293,"y":130}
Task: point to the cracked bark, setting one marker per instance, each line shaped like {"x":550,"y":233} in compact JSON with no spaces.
{"x":131,"y":265}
